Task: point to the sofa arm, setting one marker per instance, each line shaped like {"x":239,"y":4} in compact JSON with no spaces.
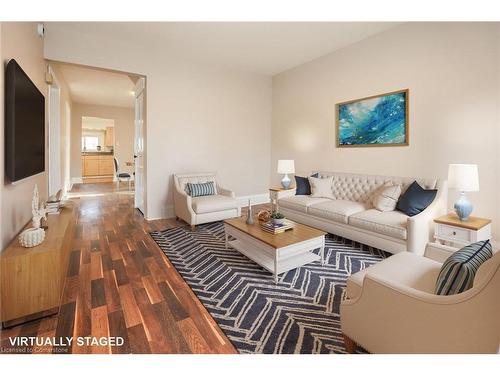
{"x":226,"y":192}
{"x":392,"y":318}
{"x":420,"y":227}
{"x":183,"y":206}
{"x":438,"y":252}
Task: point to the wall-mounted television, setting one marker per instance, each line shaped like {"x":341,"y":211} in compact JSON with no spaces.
{"x":24,"y":125}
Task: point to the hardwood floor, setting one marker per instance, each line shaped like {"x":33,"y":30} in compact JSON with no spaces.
{"x":119,"y":283}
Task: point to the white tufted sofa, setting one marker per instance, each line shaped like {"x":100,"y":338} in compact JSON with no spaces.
{"x":204,"y":209}
{"x":351,"y":213}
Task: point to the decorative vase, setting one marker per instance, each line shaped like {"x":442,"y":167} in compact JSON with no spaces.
{"x":250,"y":214}
{"x":463,"y":207}
{"x":32,"y":237}
{"x":285,"y":182}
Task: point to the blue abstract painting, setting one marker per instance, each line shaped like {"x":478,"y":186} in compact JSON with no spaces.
{"x":374,"y":121}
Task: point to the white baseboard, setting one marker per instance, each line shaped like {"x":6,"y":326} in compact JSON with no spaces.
{"x":76,"y":180}
{"x":79,"y":180}
{"x":254,"y":199}
{"x":168,"y":211}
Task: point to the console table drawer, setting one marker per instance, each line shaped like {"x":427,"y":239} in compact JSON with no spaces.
{"x":450,"y":233}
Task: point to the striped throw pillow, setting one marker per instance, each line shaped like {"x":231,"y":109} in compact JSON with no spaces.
{"x":458,"y":271}
{"x":198,"y":190}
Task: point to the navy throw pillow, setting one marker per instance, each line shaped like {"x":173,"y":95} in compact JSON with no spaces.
{"x":415,"y":199}
{"x":302,"y":185}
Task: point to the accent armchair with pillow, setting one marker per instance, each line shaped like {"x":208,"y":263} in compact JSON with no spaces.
{"x":394,"y":306}
{"x":199,"y":199}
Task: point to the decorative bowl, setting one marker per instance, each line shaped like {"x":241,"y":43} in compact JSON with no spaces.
{"x":32,"y":237}
{"x":264,"y":215}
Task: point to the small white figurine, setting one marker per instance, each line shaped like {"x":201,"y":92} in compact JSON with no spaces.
{"x":38,"y":211}
{"x":34,"y":236}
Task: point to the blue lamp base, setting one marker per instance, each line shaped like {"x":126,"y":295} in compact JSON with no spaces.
{"x":463,"y":207}
{"x":285,"y":182}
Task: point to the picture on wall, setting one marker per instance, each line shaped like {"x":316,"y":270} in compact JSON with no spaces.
{"x":380,"y":120}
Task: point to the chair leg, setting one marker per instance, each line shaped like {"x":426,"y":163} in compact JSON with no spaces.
{"x":350,"y":344}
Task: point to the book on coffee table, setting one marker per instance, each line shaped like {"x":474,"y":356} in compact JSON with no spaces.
{"x":271,"y":227}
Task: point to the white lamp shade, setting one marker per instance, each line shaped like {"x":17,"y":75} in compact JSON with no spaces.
{"x":463,"y":177}
{"x":286,"y":166}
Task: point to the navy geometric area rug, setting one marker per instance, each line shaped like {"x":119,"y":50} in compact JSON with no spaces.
{"x":298,"y":315}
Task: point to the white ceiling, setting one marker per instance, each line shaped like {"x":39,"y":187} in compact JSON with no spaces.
{"x":262,"y":47}
{"x":100,"y":87}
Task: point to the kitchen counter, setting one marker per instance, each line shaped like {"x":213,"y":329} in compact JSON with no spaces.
{"x":91,"y":153}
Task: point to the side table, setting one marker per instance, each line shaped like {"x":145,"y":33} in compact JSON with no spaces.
{"x":276,"y":193}
{"x":449,"y":229}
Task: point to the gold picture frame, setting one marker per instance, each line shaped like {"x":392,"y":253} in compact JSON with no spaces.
{"x":339,"y":106}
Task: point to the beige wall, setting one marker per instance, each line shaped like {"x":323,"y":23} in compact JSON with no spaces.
{"x":452,"y":73}
{"x":199,"y":118}
{"x":20,"y":41}
{"x":123,"y":131}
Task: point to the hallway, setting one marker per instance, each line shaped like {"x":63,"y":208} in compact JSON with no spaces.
{"x":119,"y":283}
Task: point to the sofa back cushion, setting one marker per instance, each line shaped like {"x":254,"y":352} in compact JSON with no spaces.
{"x":362,"y":188}
{"x":194,"y":178}
{"x":458,"y":271}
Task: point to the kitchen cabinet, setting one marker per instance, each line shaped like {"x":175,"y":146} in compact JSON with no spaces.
{"x":109,"y":137}
{"x":97,"y":165}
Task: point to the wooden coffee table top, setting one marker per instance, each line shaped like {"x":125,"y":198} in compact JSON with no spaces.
{"x":299,"y":233}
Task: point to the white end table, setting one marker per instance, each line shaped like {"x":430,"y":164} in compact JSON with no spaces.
{"x":449,"y":229}
{"x":276,"y":193}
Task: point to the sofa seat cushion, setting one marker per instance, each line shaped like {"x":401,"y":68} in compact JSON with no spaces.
{"x":300,"y":202}
{"x":336,"y":210}
{"x":213,"y":203}
{"x":391,"y":223}
{"x":405,"y":268}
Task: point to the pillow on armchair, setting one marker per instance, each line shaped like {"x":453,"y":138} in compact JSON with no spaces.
{"x":458,"y":271}
{"x":201,"y":189}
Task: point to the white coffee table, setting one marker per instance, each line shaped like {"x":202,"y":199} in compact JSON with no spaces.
{"x":277,"y":253}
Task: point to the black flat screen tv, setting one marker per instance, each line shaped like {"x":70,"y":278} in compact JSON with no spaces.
{"x":24,"y":125}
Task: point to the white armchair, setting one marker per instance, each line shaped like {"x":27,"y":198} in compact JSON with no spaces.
{"x":391,"y":307}
{"x":204,"y":209}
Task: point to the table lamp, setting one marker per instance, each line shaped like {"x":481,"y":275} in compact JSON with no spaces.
{"x":463,"y":177}
{"x":285,"y":167}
